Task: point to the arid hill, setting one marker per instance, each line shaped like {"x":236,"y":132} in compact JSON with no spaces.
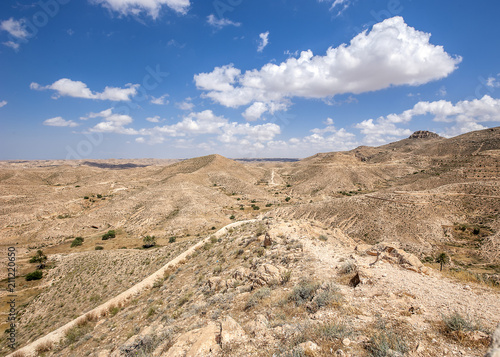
{"x":384,"y":214}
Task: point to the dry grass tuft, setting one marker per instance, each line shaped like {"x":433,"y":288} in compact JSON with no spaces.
{"x":44,"y":347}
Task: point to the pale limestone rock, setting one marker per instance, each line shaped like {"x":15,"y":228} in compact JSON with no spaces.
{"x":309,"y":346}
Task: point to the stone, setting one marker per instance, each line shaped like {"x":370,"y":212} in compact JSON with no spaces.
{"x":309,"y":346}
{"x":346,"y":342}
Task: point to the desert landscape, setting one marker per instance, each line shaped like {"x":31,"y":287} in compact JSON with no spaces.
{"x":378,"y":251}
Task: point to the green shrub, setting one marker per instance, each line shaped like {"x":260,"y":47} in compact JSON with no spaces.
{"x":323,"y":238}
{"x":36,"y":275}
{"x":99,"y":247}
{"x":86,"y":197}
{"x":99,"y":196}
{"x":77,"y":242}
{"x":287,"y":199}
{"x":456,"y":322}
{"x":39,"y":257}
{"x":256,"y":208}
{"x":149,"y":241}
{"x":232,"y":217}
{"x":257,"y":297}
{"x":171,"y":239}
{"x":303,"y":292}
{"x":269,"y":205}
{"x":110,"y":234}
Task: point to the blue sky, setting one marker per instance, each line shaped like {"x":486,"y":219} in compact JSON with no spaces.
{"x":96,"y":79}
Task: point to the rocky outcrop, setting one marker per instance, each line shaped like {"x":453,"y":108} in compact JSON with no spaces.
{"x":207,"y":341}
{"x":423,"y":134}
{"x":391,"y":253}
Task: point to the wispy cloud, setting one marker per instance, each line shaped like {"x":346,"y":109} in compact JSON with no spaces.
{"x":264,"y":41}
{"x":220,"y":23}
{"x":3,"y":103}
{"x":150,"y":7}
{"x":59,"y":121}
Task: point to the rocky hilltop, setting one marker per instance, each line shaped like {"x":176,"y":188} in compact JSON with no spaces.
{"x":423,"y":134}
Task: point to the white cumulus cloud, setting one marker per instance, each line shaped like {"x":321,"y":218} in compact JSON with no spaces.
{"x":112,"y":123}
{"x":220,"y":23}
{"x":59,"y":121}
{"x":264,"y":41}
{"x":150,"y":7}
{"x":391,"y":54}
{"x":77,"y":89}
{"x":3,"y":103}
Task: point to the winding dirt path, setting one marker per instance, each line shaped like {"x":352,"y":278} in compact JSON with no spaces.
{"x":57,"y":335}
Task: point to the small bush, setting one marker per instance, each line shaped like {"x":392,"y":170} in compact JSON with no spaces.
{"x":256,"y":208}
{"x":110,"y":234}
{"x":77,"y":242}
{"x":86,"y":197}
{"x":113,"y":310}
{"x":36,"y":275}
{"x":39,"y":257}
{"x":44,"y":347}
{"x":99,"y":196}
{"x":213,"y":228}
{"x":172,"y":239}
{"x":303,"y":292}
{"x":149,"y":241}
{"x":99,"y":247}
{"x":232,"y":217}
{"x":257,"y":297}
{"x":456,"y":322}
{"x":323,"y":238}
{"x":285,"y":277}
{"x":287,"y":199}
{"x":269,"y":205}
{"x":348,"y":267}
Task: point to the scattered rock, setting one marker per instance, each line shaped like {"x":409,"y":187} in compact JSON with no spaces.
{"x":346,"y":341}
{"x":309,"y":346}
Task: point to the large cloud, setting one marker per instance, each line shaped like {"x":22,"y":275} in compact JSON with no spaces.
{"x":77,"y":89}
{"x":151,"y":7}
{"x":391,"y":54}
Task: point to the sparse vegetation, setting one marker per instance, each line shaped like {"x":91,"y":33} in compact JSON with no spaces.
{"x":99,"y":247}
{"x":148,"y":242}
{"x":36,"y":275}
{"x":39,"y":257}
{"x":172,"y":239}
{"x":109,"y":235}
{"x":442,"y":259}
{"x":78,"y":241}
{"x":257,"y":297}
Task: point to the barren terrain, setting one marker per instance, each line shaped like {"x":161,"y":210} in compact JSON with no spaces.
{"x":340,"y":260}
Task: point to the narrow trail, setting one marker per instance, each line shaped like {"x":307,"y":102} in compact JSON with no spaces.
{"x":272,"y":179}
{"x":120,"y":300}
